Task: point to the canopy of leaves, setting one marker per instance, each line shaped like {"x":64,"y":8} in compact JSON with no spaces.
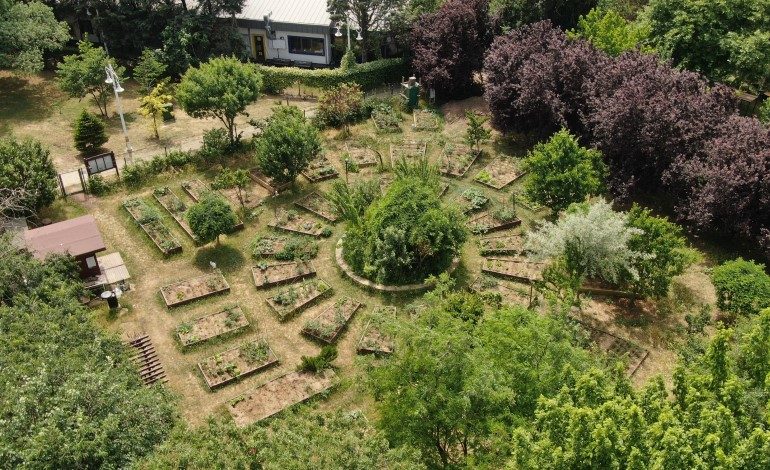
{"x":406,"y":235}
{"x":563,"y":172}
{"x":476,"y":134}
{"x":88,"y":133}
{"x":610,"y":32}
{"x":592,"y":239}
{"x":448,"y":46}
{"x":211,"y":217}
{"x":743,"y":287}
{"x":727,"y":41}
{"x":26,"y":165}
{"x":149,"y":71}
{"x":27,"y":31}
{"x":82,"y":74}
{"x":341,"y":106}
{"x":367,"y":16}
{"x":453,"y":387}
{"x":155,"y":104}
{"x":299,"y":440}
{"x":70,"y":395}
{"x":287,"y":145}
{"x":509,"y":14}
{"x":220,"y":88}
{"x":715,"y":420}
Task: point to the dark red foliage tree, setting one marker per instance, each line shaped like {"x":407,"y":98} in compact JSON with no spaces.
{"x":643,"y":115}
{"x":449,"y":45}
{"x":535,"y":79}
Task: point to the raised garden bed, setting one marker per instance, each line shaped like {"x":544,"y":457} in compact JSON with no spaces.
{"x":457,"y":159}
{"x":148,"y":219}
{"x":279,"y":394}
{"x":320,"y":169}
{"x":499,"y":173}
{"x":294,"y":298}
{"x":211,"y":326}
{"x":253,"y":196}
{"x":228,"y":366}
{"x":267,"y":182}
{"x":272,"y":274}
{"x":175,"y":207}
{"x":284,"y":247}
{"x":292,"y":221}
{"x":518,"y":269}
{"x":327,"y":325}
{"x":362,"y":157}
{"x":424,"y":120}
{"x":619,"y":347}
{"x":408,"y":151}
{"x":196,"y":189}
{"x":493,"y":220}
{"x":190,"y":290}
{"x":472,"y":200}
{"x":386,"y":119}
{"x":374,"y":340}
{"x":317,"y":203}
{"x":509,"y":292}
{"x":502,"y":244}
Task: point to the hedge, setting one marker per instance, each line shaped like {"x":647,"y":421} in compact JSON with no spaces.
{"x":369,"y":75}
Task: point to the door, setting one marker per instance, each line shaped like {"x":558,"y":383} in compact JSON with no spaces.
{"x":259,"y":48}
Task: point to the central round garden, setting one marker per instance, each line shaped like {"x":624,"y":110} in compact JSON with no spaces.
{"x":403,"y":235}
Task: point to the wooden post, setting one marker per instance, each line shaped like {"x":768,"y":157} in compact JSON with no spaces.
{"x":61,"y":185}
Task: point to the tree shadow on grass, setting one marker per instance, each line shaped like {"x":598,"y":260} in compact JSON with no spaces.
{"x":22,"y":101}
{"x":227,"y":258}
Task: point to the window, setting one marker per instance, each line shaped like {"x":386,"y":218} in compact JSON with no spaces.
{"x":91,"y":262}
{"x":247,"y":43}
{"x":306,"y":46}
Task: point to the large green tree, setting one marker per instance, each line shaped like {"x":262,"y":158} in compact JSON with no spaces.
{"x":509,"y":14}
{"x":609,"y":31}
{"x":70,"y":396}
{"x":365,"y":16}
{"x":82,"y":74}
{"x":211,"y":217}
{"x":287,"y":145}
{"x":562,"y":172}
{"x":727,"y":41}
{"x":27,"y":31}
{"x":220,"y":88}
{"x":27,"y":170}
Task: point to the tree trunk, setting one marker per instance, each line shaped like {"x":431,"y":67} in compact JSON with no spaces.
{"x":155,"y":126}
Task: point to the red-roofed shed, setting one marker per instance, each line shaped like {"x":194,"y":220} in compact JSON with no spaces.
{"x":80,"y":237}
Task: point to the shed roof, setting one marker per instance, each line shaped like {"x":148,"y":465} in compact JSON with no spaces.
{"x":304,"y":12}
{"x":77,"y":237}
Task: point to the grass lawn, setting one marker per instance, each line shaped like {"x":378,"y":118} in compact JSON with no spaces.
{"x":37,"y":109}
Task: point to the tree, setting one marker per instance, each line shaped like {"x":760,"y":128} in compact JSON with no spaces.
{"x":563,"y":172}
{"x":155,"y":104}
{"x":28,"y":170}
{"x":82,"y":74}
{"x":608,"y":31}
{"x":476,"y":134}
{"x":87,"y":377}
{"x":764,"y":112}
{"x":287,"y":145}
{"x":510,"y":14}
{"x":667,"y":252}
{"x":149,"y":71}
{"x":734,"y":49}
{"x":448,"y":46}
{"x":238,"y":179}
{"x":88,"y":133}
{"x":220,"y":88}
{"x":592,"y":239}
{"x":211,"y":217}
{"x":340,"y":106}
{"x":742,"y":287}
{"x":27,"y":31}
{"x":406,"y":235}
{"x":536,"y":80}
{"x":366,"y":16}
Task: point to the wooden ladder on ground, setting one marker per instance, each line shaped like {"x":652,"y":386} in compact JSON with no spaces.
{"x":146,"y":359}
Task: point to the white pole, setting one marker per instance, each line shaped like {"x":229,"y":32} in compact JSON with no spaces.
{"x":112,"y":78}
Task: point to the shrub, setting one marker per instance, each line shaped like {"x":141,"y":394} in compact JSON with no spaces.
{"x":210,"y":218}
{"x":340,"y":106}
{"x":89,"y":134}
{"x":743,"y":287}
{"x":287,"y":145}
{"x":320,"y":362}
{"x":406,"y":235}
{"x":97,"y":186}
{"x":26,"y":168}
{"x":216,"y":144}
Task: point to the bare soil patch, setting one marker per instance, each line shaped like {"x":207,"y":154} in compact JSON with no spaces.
{"x":328,"y":324}
{"x":518,"y":269}
{"x":190,"y":290}
{"x":509,"y":244}
{"x":294,"y":298}
{"x":273,"y":274}
{"x":292,"y":221}
{"x":214,"y":325}
{"x":409,"y":151}
{"x":320,"y":169}
{"x":457,"y":159}
{"x":236,"y":363}
{"x":317,"y":203}
{"x":499,"y":173}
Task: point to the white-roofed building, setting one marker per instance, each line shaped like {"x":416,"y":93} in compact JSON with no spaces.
{"x":280,"y":31}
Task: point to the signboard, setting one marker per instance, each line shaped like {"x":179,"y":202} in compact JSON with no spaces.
{"x":100,"y":163}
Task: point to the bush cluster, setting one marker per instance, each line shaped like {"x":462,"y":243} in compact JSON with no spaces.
{"x":662,"y":131}
{"x":138,"y":173}
{"x":743,"y":287}
{"x":368,"y":75}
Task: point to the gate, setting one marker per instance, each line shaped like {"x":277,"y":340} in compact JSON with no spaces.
{"x":72,"y":182}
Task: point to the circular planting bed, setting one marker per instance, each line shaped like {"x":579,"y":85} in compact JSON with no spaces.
{"x":382,"y":287}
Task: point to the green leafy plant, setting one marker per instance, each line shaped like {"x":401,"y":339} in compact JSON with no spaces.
{"x":287,"y":146}
{"x":743,"y":287}
{"x":89,"y":134}
{"x":320,"y":362}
